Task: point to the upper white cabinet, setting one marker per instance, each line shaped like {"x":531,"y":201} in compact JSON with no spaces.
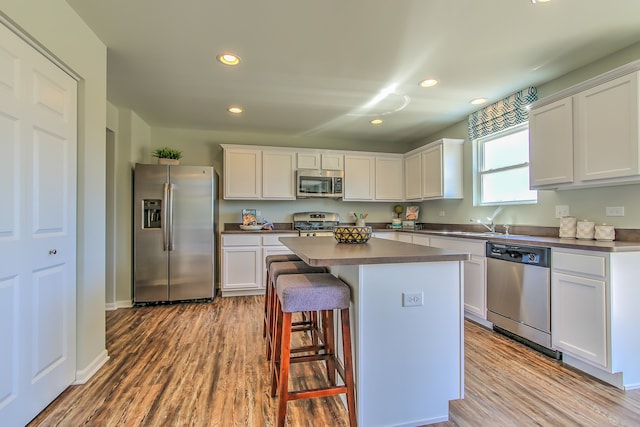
{"x":316,"y":160}
{"x":278,"y":170}
{"x":373,"y":177}
{"x":606,"y":125}
{"x":588,"y":135}
{"x":242,"y":173}
{"x":551,"y":131}
{"x":389,"y":178}
{"x":253,"y":173}
{"x":359,"y":177}
{"x":435,"y":171}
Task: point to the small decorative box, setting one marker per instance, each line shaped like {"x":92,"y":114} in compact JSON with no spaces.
{"x":605,"y":232}
{"x":585,"y":229}
{"x":568,"y":227}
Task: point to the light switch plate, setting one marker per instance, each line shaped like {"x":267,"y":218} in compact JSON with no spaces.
{"x":412,"y":299}
{"x":614,"y":211}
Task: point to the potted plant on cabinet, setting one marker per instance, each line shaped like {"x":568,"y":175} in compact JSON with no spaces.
{"x":168,"y":156}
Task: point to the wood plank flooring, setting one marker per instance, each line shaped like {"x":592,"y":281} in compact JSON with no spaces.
{"x":203,"y":364}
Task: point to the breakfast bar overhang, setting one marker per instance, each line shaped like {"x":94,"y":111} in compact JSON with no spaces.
{"x":407,"y":322}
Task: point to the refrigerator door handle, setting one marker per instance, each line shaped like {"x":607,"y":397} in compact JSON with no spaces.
{"x":165,"y":200}
{"x":170,"y":220}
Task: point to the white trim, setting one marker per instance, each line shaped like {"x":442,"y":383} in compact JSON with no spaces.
{"x":111,"y":306}
{"x":84,"y":375}
{"x":588,"y":84}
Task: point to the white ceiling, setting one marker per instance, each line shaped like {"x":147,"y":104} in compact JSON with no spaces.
{"x":311,"y":68}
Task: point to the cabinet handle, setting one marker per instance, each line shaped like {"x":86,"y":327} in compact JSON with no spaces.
{"x":53,"y":251}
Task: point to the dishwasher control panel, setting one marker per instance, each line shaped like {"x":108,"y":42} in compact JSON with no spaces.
{"x":521,"y":254}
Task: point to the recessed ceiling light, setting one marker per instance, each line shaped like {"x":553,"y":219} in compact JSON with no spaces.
{"x":428,"y":82}
{"x":235,"y":110}
{"x":478,"y":101}
{"x":539,"y":1}
{"x":376,"y":122}
{"x":229,"y":59}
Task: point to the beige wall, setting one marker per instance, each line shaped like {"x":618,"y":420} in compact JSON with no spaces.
{"x":56,"y":27}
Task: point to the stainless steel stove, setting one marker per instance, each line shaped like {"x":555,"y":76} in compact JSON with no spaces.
{"x":310,"y":224}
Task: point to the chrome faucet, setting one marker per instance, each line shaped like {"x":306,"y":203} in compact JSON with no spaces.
{"x":491,"y":226}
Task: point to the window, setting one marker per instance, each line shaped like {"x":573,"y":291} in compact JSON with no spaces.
{"x":502,"y":168}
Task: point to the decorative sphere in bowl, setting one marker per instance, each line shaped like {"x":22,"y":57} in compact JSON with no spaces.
{"x":352,"y":234}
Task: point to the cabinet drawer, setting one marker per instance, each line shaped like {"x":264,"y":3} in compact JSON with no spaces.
{"x":273,"y":239}
{"x":582,"y":264}
{"x":474,"y":247}
{"x":240,"y":240}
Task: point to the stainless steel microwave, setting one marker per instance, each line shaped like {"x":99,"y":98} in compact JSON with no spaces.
{"x":319,"y":183}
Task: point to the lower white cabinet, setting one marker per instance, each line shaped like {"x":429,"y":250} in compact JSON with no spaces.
{"x":475,"y":277}
{"x":243,"y":261}
{"x":594,"y":314}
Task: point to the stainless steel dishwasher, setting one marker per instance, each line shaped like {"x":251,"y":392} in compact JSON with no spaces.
{"x":519,"y":293}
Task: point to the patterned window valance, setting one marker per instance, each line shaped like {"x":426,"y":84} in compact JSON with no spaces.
{"x":503,"y":114}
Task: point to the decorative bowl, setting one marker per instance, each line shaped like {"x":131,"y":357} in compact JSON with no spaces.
{"x":351,"y":234}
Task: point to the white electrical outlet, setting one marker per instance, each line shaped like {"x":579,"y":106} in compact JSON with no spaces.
{"x":441,"y":213}
{"x":614,"y":211}
{"x":412,"y":299}
{"x":562,"y":210}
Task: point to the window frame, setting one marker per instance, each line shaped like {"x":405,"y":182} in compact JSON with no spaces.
{"x":479,"y":172}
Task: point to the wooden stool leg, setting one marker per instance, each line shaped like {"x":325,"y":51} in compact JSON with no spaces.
{"x":283,"y":389}
{"x":266,"y":306}
{"x":348,"y":366}
{"x":276,"y":343}
{"x":329,"y":344}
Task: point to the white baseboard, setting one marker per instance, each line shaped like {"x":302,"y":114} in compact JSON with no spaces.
{"x":83,"y":375}
{"x":608,"y":377}
{"x":118,"y":304}
{"x":124,"y":303}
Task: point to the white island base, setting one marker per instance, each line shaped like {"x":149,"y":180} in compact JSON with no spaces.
{"x":409,"y":360}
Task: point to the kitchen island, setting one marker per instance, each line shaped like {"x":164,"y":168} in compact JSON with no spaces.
{"x":407,"y":325}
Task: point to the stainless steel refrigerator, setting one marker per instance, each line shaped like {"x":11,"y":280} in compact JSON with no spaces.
{"x":175,"y":220}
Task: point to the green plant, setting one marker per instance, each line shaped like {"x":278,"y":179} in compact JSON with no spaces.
{"x":167,"y":153}
{"x":398,"y":209}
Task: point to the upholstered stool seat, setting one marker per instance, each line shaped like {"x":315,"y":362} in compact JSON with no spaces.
{"x":314,"y":292}
{"x":275,"y":270}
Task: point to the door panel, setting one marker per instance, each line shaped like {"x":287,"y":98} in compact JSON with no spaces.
{"x":191,"y":260}
{"x":151,"y":256}
{"x":37,"y":230}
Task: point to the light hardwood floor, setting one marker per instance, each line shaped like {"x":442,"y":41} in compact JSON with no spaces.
{"x":203,"y":364}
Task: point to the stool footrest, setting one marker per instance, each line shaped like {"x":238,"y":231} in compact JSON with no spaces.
{"x":319,"y":392}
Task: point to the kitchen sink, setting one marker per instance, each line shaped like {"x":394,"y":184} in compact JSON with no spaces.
{"x":468,"y":233}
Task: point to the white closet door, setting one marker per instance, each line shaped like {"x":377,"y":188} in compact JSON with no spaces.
{"x":37,"y":230}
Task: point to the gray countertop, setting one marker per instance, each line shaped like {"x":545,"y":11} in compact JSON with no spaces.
{"x":554,"y":242}
{"x":326,"y":251}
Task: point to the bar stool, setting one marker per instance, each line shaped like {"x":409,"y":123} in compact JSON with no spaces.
{"x":321,"y":292}
{"x":268,"y":261}
{"x":275,"y":270}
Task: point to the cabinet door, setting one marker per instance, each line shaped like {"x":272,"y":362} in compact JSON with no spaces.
{"x":242,"y":174}
{"x":359,"y":177}
{"x":413,"y":177}
{"x":418,"y":239}
{"x":242,"y":268}
{"x":405,"y":237}
{"x":607,"y":129}
{"x":278,"y":175}
{"x":389,"y":235}
{"x":389,"y":178}
{"x":551,"y":144}
{"x":332,"y":162}
{"x":432,"y":185}
{"x":578,"y":317}
{"x":308,"y":161}
{"x":475,"y":289}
